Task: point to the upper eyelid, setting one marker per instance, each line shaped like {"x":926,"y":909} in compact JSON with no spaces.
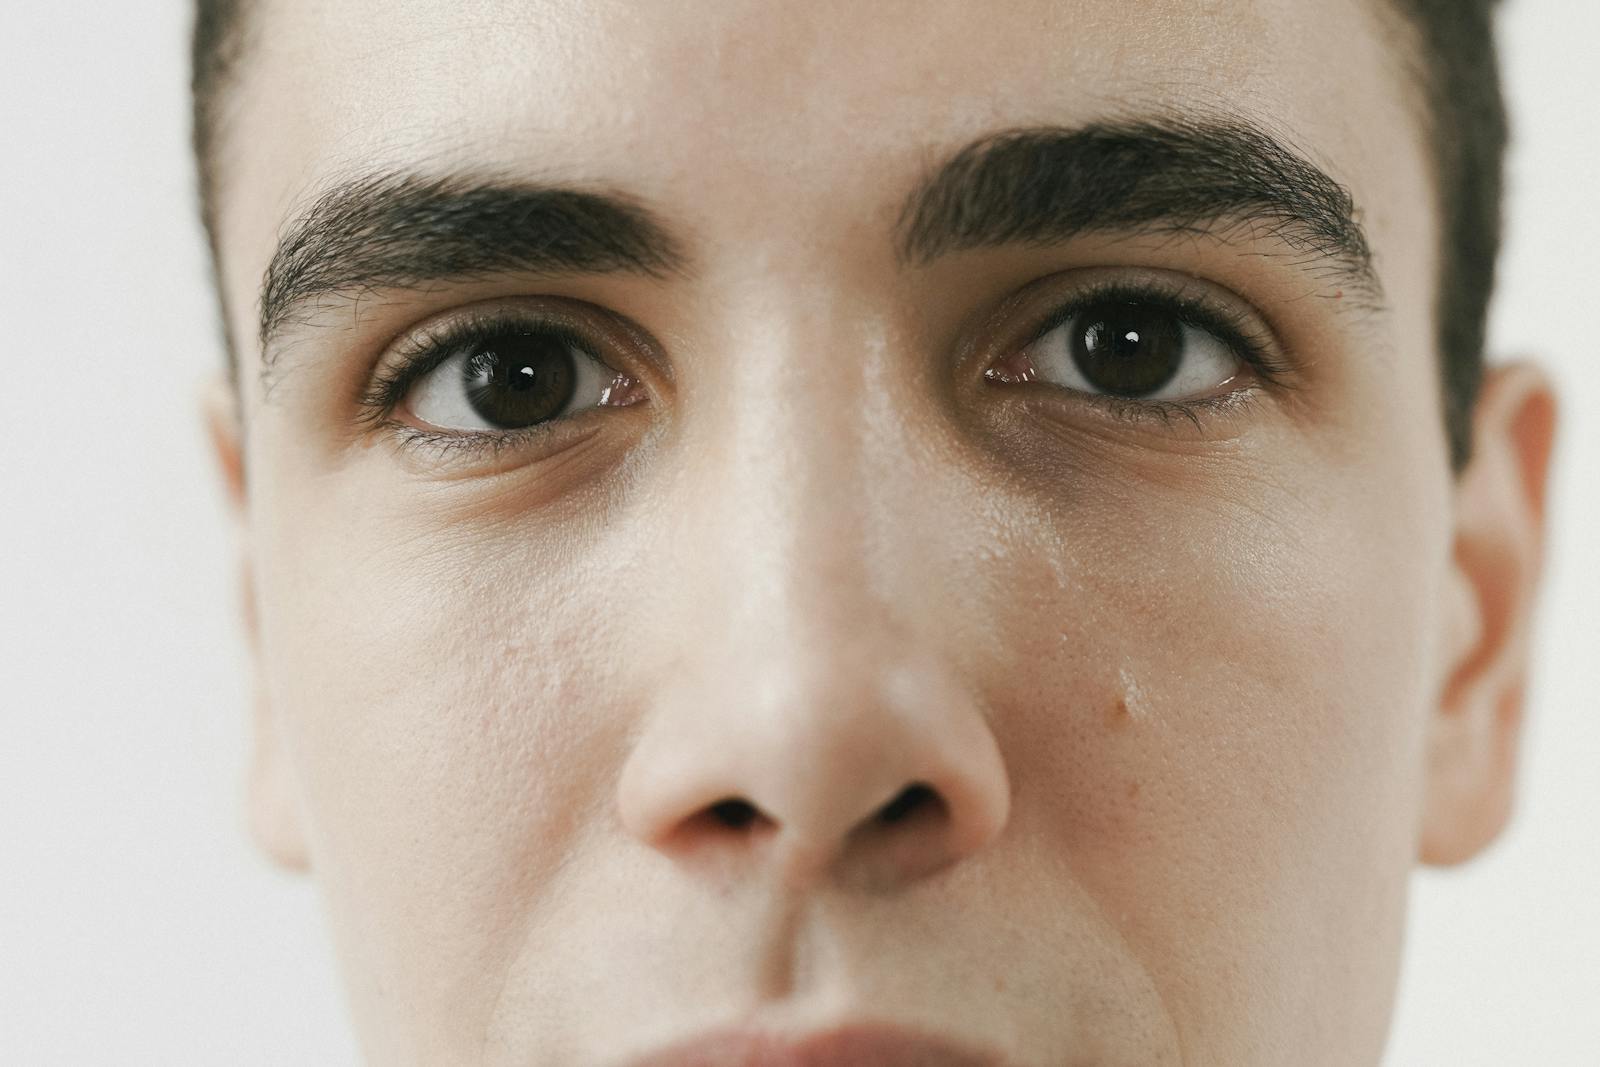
{"x":1196,"y":311}
{"x":1257,"y":345}
{"x":423,"y":349}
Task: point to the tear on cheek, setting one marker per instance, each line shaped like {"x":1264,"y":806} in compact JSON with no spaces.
{"x":1131,"y":705}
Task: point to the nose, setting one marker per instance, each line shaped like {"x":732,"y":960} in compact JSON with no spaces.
{"x":870,"y":774}
{"x":813,"y":718}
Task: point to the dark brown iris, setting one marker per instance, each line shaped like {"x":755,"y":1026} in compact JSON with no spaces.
{"x":519,"y":379}
{"x":1127,"y":349}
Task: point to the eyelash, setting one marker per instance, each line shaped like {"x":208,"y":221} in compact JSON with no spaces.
{"x":1248,"y":340}
{"x":423,"y":352}
{"x":426,"y":350}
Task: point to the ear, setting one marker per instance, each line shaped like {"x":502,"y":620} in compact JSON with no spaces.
{"x":269,"y":794}
{"x":1494,"y":574}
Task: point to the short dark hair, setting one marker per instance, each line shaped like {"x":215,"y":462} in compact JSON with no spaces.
{"x":1466,"y":123}
{"x":215,"y":44}
{"x":1464,"y":115}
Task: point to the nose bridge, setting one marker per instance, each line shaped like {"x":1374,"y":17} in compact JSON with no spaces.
{"x":799,"y":697}
{"x":788,"y":508}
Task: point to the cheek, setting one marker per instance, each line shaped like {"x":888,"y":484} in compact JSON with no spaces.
{"x":1219,"y":717}
{"x":449,"y":694}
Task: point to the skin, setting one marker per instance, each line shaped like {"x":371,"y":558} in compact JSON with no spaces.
{"x":1194,"y":699}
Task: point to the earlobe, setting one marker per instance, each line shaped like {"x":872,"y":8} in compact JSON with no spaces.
{"x":274,"y":817}
{"x":1498,"y":550}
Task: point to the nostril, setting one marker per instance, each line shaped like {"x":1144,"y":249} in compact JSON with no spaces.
{"x":910,"y":799}
{"x":734,"y":814}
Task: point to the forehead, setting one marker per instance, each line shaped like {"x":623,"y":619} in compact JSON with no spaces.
{"x":758,"y":115}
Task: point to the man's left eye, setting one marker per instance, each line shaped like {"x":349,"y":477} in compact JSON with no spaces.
{"x":1129,"y":349}
{"x":512,"y":379}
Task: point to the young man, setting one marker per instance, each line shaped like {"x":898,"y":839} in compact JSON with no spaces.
{"x":824,"y":533}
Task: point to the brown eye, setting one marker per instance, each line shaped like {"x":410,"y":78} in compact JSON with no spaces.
{"x":513,"y":377}
{"x":1123,"y":349}
{"x":1134,"y":349}
{"x":516,"y":380}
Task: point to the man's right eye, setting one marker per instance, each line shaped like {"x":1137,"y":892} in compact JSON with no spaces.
{"x":503,"y":378}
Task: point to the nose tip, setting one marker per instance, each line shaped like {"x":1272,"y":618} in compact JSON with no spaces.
{"x":872,"y":787}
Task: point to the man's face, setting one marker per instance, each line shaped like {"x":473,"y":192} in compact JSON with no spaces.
{"x":719,"y":563}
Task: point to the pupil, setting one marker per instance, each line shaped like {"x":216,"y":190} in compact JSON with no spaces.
{"x":519,"y":379}
{"x":1127,"y":349}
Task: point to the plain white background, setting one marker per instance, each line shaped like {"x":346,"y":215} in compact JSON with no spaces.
{"x":137,"y":926}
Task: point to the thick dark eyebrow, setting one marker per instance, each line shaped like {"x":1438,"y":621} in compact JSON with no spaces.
{"x":404,"y":231}
{"x":1048,"y":185}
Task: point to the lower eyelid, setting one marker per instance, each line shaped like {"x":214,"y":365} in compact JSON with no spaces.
{"x":1173,"y":413}
{"x":450,"y":454}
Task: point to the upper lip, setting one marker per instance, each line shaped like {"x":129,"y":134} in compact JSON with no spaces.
{"x":847,"y":1046}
